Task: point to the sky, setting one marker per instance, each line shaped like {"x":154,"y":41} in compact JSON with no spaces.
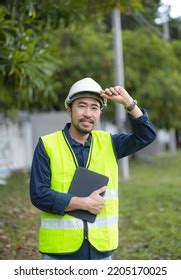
{"x":175,"y":7}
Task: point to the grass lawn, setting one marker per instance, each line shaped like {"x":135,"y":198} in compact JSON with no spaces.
{"x":149,"y":221}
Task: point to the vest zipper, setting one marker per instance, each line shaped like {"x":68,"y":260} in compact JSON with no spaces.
{"x":76,"y":164}
{"x":72,"y":152}
{"x":85,"y":230}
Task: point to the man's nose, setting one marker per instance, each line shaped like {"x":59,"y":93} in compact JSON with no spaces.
{"x":87,"y":112}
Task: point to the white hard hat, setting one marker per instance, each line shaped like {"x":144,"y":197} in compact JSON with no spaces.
{"x":86,"y":87}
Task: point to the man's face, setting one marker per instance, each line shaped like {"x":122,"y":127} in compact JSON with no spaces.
{"x":85,"y":113}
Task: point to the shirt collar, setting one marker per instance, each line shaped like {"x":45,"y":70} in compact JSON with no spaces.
{"x":72,"y":141}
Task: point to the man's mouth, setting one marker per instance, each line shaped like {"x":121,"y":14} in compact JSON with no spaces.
{"x":87,"y":121}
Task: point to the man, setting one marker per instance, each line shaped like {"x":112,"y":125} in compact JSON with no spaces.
{"x":56,"y":158}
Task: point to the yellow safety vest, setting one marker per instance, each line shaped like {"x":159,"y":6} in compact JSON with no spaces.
{"x":65,"y":234}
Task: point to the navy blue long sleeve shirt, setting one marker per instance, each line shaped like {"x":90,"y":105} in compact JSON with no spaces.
{"x":55,"y":202}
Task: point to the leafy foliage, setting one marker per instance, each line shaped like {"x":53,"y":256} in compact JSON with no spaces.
{"x":85,"y":52}
{"x":26,"y":67}
{"x":29,"y":58}
{"x":174,"y":28}
{"x":43,"y":51}
{"x":151,"y":70}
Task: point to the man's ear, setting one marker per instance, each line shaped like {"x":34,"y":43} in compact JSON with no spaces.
{"x":69,"y":111}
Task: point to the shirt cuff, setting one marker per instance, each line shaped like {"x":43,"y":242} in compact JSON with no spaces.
{"x":139,"y":119}
{"x":61,"y":202}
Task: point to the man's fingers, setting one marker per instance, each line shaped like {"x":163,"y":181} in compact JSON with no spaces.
{"x":108,"y":92}
{"x":101,"y":190}
{"x":109,"y":97}
{"x":116,"y":90}
{"x":113,"y":90}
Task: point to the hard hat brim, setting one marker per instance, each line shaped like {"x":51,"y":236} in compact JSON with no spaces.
{"x":95,"y":95}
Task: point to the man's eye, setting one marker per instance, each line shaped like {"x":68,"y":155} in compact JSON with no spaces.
{"x":94,"y":108}
{"x":81,"y":106}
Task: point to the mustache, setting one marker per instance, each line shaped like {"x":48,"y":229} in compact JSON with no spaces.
{"x":86,"y":120}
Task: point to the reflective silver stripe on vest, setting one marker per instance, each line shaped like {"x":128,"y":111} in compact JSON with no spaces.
{"x":61,"y":224}
{"x":72,"y":224}
{"x":111,"y":193}
{"x":104,"y":222}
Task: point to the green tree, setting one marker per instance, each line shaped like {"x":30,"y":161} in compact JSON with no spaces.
{"x":85,"y":52}
{"x":26,"y":65}
{"x":29,"y":59}
{"x":175,"y":28}
{"x":146,"y":15}
{"x":133,"y":18}
{"x":43,"y":50}
{"x":176,"y":46}
{"x":152,"y":73}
